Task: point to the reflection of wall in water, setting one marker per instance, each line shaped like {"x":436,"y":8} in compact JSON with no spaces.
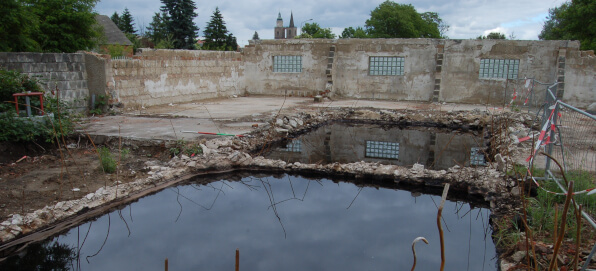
{"x":347,"y":144}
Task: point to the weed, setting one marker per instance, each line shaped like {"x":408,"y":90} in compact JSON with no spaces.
{"x":507,"y":233}
{"x":100,"y":104}
{"x":184,"y":147}
{"x":108,"y":163}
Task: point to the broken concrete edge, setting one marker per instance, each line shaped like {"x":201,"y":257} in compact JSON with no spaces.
{"x":232,"y":154}
{"x":482,"y":182}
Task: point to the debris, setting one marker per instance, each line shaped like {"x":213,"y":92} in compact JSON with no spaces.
{"x":22,"y":158}
{"x":76,"y":189}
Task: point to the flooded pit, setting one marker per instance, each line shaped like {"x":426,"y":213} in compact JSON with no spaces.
{"x":278,"y":223}
{"x":347,"y":143}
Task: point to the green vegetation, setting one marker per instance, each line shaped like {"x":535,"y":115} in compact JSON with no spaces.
{"x":217,"y":36}
{"x":183,"y":147}
{"x":492,"y":36}
{"x":124,"y":22}
{"x":47,"y":25}
{"x":314,"y":31}
{"x":101,"y":102}
{"x":55,"y":123}
{"x":108,"y":163}
{"x":573,"y":20}
{"x":393,"y":20}
{"x":176,"y":19}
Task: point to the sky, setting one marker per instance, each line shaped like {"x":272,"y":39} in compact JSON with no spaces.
{"x":467,"y":18}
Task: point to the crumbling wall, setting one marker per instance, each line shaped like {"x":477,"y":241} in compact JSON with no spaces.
{"x":461,"y":65}
{"x":580,"y":78}
{"x":155,"y":77}
{"x":65,"y":72}
{"x":259,"y":77}
{"x":352,"y":77}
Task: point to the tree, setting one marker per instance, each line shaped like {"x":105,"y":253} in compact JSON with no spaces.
{"x":433,"y":20}
{"x":117,"y":20}
{"x":48,"y":25}
{"x":573,"y":20}
{"x":65,"y":25}
{"x":179,"y":15}
{"x":216,"y":34}
{"x":492,"y":36}
{"x":392,"y":20}
{"x":16,"y":27}
{"x":158,"y":29}
{"x":255,"y":36}
{"x":350,"y":32}
{"x":126,"y":22}
{"x":314,"y":31}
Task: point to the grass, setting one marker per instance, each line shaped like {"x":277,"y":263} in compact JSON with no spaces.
{"x":108,"y":162}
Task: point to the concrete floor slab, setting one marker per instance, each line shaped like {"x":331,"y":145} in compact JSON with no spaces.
{"x":232,"y":116}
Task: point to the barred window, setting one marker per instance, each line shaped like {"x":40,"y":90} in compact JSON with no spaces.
{"x":293,"y":146}
{"x":287,"y":64}
{"x":381,"y":149}
{"x":386,"y":65}
{"x":477,"y":157}
{"x":499,"y":68}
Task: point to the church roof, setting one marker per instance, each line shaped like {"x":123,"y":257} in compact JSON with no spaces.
{"x":291,"y":19}
{"x":279,"y":16}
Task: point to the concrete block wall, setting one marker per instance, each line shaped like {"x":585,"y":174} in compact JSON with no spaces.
{"x":155,"y":77}
{"x":65,"y":72}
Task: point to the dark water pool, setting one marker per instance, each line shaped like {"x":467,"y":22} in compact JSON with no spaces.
{"x":348,"y":143}
{"x":277,"y":223}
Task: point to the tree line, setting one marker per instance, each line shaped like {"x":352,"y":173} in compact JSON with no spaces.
{"x":69,"y":26}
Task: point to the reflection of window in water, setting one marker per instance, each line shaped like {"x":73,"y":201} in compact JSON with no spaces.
{"x":477,"y":157}
{"x":293,"y":146}
{"x":381,"y":149}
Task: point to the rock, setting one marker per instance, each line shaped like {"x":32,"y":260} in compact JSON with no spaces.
{"x":300,"y":122}
{"x":519,"y":256}
{"x":515,"y":191}
{"x":206,"y":151}
{"x":192,"y":164}
{"x":293,"y":123}
{"x":184,"y":157}
{"x":418,"y":167}
{"x":279,"y":122}
{"x":89,"y":196}
{"x":281,"y":130}
{"x":500,"y":162}
{"x":17,"y":219}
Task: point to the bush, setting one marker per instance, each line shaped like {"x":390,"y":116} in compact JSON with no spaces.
{"x":55,"y":123}
{"x":108,"y":163}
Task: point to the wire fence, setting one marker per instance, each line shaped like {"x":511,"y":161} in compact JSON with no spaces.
{"x":568,"y":137}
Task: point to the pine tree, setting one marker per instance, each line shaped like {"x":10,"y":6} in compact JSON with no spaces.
{"x":116,"y":19}
{"x":255,"y":36}
{"x":157,"y":29}
{"x":179,"y":15}
{"x":216,"y":34}
{"x":126,"y":22}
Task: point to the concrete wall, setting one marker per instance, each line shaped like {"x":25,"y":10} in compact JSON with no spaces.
{"x":259,"y":77}
{"x":156,"y":77}
{"x":580,"y":78}
{"x":66,"y":72}
{"x":434,"y":70}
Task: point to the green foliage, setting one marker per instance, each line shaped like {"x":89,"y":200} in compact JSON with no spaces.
{"x":350,"y":32}
{"x":506,"y":232}
{"x":492,"y":36}
{"x":157,"y":30}
{"x":21,"y":129}
{"x":107,"y":162}
{"x":17,"y":25}
{"x":182,"y":146}
{"x":314,"y":31}
{"x":255,"y":36}
{"x":217,"y":36}
{"x":116,"y":19}
{"x":433,"y":19}
{"x":393,"y":20}
{"x":178,"y":17}
{"x":101,"y":102}
{"x":573,"y":20}
{"x":114,"y":50}
{"x":14,"y":82}
{"x":126,"y":22}
{"x":65,"y":25}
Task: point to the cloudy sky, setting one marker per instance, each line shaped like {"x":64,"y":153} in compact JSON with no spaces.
{"x":467,"y":18}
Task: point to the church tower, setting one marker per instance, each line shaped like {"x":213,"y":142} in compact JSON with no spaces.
{"x":291,"y":29}
{"x":280,"y":32}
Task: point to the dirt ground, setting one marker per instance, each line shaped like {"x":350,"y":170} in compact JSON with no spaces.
{"x":47,"y":177}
